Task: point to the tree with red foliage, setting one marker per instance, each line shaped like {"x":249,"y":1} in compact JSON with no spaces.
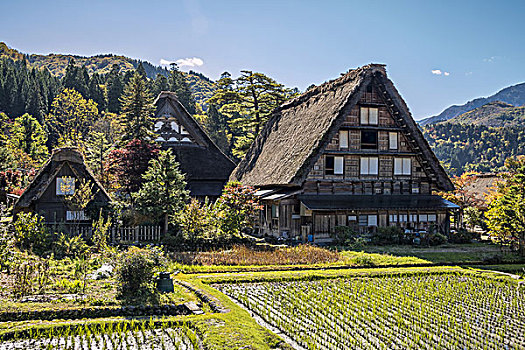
{"x":125,"y":166}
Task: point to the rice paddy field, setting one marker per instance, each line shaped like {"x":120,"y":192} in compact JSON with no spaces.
{"x":123,"y":336}
{"x":418,"y":311}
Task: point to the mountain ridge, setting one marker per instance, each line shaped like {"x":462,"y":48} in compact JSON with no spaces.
{"x":201,"y":86}
{"x":514,"y":95}
{"x":492,"y":114}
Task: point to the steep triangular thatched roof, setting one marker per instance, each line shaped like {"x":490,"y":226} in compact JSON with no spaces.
{"x":202,"y":160}
{"x":60,"y":157}
{"x":298,"y":132}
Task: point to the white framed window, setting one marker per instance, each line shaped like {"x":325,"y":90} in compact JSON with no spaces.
{"x":352,"y":218}
{"x":65,"y":186}
{"x":369,"y":116}
{"x":402,"y":166}
{"x":432,"y":218}
{"x":403,"y":217}
{"x":369,"y":166}
{"x":372,"y":220}
{"x":412,"y":217}
{"x":343,"y":138}
{"x":79,"y":215}
{"x":339,"y":164}
{"x":392,"y":140}
{"x":393,"y":218}
{"x":423,"y":218}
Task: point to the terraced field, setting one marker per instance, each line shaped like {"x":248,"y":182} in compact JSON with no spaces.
{"x":422,"y":311}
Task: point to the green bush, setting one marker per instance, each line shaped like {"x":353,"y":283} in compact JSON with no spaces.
{"x":344,"y":236}
{"x":69,"y":246}
{"x":387,"y":235}
{"x":31,"y":233}
{"x":436,"y":239}
{"x":461,"y":236}
{"x":135,"y":273}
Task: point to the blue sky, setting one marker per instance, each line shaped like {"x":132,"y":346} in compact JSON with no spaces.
{"x":437,"y":53}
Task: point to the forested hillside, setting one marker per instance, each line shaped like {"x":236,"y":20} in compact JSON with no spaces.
{"x":467,"y":147}
{"x":201,"y":86}
{"x":479,"y":140}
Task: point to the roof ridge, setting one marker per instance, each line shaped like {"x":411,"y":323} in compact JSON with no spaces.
{"x":350,"y":75}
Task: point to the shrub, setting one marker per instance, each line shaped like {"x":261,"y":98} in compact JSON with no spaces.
{"x":31,"y":233}
{"x":437,"y":239}
{"x":135,"y":273}
{"x":461,"y":236}
{"x":387,"y":235}
{"x":344,"y":236}
{"x":69,"y":246}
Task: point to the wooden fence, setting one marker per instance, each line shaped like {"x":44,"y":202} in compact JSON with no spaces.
{"x":138,"y":234}
{"x":122,"y":235}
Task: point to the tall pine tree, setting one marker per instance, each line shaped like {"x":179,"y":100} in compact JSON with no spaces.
{"x":137,"y":110}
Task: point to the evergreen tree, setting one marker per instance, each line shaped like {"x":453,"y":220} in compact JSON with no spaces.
{"x":248,"y":101}
{"x":163,"y":193}
{"x":177,"y":84}
{"x":160,"y":84}
{"x":96,"y":93}
{"x":217,"y":127}
{"x":137,"y":110}
{"x":114,"y":88}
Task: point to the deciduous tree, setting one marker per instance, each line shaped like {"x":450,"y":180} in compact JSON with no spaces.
{"x":506,"y":215}
{"x":71,"y":117}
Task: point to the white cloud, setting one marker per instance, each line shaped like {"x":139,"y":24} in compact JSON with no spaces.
{"x":468,"y":73}
{"x":490,"y":59}
{"x":440,"y":72}
{"x":190,"y":62}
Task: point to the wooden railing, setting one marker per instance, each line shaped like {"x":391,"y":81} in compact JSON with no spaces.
{"x":138,"y":234}
{"x":119,"y":234}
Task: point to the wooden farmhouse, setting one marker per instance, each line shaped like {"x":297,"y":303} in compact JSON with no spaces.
{"x":207,"y":169}
{"x":49,"y":194}
{"x":346,"y":153}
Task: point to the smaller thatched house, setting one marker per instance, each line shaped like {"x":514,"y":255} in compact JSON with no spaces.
{"x":51,"y":192}
{"x":206,"y":167}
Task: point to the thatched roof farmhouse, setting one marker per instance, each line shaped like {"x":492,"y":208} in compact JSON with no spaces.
{"x":346,"y":153}
{"x":206,"y":167}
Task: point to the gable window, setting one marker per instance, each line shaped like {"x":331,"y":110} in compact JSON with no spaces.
{"x":392,"y":140}
{"x":343,"y":138}
{"x":368,"y":139}
{"x":65,"y":186}
{"x":369,"y":165}
{"x":369,"y":115}
{"x":334,"y":165}
{"x":402,"y":166}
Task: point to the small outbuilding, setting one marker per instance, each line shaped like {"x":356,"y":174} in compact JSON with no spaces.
{"x":50,"y":192}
